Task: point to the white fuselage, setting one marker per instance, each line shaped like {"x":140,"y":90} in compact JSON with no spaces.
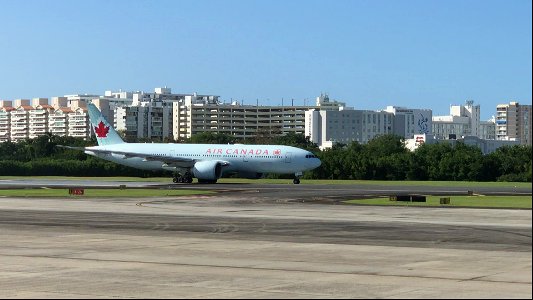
{"x":239,"y":157}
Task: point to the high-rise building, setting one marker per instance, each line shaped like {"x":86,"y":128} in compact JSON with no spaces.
{"x":150,"y":115}
{"x":513,"y":122}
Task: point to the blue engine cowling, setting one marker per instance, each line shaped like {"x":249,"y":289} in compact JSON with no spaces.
{"x":207,"y":170}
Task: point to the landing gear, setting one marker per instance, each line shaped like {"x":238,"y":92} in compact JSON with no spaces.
{"x":297,"y":177}
{"x":186,"y":178}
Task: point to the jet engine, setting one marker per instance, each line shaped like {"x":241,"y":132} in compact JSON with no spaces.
{"x":208,"y":171}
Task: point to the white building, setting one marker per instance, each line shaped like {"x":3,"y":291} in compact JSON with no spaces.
{"x":38,"y":123}
{"x":5,"y":120}
{"x":410,"y":121}
{"x":20,"y":118}
{"x":464,"y":120}
{"x":486,"y":146}
{"x":326,"y":128}
{"x":58,"y":121}
{"x":78,"y":123}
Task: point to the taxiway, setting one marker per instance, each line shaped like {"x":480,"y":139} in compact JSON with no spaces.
{"x":253,"y":241}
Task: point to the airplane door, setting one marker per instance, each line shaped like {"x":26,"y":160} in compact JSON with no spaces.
{"x":288,"y":157}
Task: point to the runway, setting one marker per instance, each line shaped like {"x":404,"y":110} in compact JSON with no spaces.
{"x":260,"y":242}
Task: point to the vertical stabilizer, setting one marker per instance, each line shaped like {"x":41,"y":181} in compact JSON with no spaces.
{"x":104,"y":132}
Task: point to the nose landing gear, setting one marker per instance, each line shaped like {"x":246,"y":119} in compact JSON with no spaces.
{"x":297,"y":177}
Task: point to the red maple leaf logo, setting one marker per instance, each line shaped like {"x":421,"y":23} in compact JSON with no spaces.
{"x":101,"y":130}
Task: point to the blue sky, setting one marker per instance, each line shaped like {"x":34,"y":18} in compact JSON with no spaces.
{"x":370,"y":54}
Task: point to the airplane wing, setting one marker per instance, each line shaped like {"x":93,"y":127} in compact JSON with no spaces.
{"x":165,"y":159}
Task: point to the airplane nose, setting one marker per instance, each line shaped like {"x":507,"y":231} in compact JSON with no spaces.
{"x":317,"y":163}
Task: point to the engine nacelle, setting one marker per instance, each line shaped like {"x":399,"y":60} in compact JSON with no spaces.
{"x":207,"y":170}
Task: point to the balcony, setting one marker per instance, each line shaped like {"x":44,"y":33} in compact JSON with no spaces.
{"x":35,"y":131}
{"x":37,"y":126}
{"x":18,"y":127}
{"x":37,"y":112}
{"x":78,"y":130}
{"x":78,"y":134}
{"x":77,"y":120}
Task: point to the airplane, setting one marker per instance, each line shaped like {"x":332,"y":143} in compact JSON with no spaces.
{"x":206,"y":162}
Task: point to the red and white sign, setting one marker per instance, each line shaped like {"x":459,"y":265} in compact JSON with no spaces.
{"x":242,"y":151}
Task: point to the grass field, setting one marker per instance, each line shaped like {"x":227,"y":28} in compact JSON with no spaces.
{"x":289,"y":181}
{"x":456,"y":201}
{"x":125,"y":193}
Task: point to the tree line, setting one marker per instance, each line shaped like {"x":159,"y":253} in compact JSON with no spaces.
{"x":383,"y":158}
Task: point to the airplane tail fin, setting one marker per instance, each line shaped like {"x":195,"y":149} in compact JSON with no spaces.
{"x":104,"y":132}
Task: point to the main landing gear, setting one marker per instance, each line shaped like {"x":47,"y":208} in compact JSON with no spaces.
{"x":297,"y":177}
{"x":186,"y":178}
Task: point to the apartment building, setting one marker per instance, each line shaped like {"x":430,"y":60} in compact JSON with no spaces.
{"x":58,"y":121}
{"x":150,"y":115}
{"x":78,"y":123}
{"x":20,"y":116}
{"x":38,"y":117}
{"x":513,"y":122}
{"x":5,"y":120}
{"x":147,"y":121}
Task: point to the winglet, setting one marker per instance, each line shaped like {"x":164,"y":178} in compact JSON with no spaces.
{"x":104,"y":132}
